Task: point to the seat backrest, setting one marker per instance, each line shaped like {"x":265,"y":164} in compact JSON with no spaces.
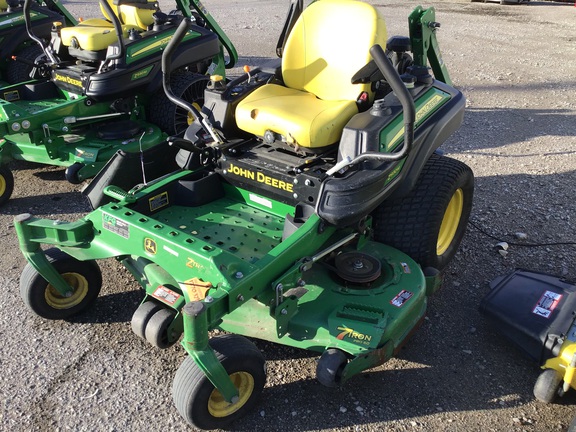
{"x":329,"y":43}
{"x":3,"y":5}
{"x":132,"y":13}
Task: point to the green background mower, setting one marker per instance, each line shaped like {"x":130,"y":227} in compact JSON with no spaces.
{"x":98,"y":88}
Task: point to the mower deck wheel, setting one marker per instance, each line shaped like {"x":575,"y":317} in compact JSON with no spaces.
{"x":330,"y":367}
{"x":44,"y":300}
{"x":157,"y":329}
{"x":429,"y":223}
{"x":71,"y":173}
{"x":6,"y":184}
{"x":547,"y":385}
{"x":142,"y":316}
{"x":200,"y":403}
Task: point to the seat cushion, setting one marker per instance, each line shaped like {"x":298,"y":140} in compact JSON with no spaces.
{"x":329,"y":43}
{"x":94,"y":34}
{"x":303,"y":119}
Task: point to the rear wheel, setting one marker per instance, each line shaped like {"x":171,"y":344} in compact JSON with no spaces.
{"x":171,"y":118}
{"x":19,"y":71}
{"x":429,"y":223}
{"x":44,"y":300}
{"x":201,"y":404}
{"x":6,"y":184}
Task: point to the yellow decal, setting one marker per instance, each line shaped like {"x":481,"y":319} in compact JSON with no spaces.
{"x":68,"y":80}
{"x":150,"y":246}
{"x":260,"y":177}
{"x":196,"y":288}
{"x":420,"y":114}
{"x":152,"y":46}
{"x":193,"y":264}
{"x":158,"y":201}
{"x":354,"y":335}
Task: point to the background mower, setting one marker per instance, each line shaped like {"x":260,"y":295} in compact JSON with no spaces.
{"x":14,"y":40}
{"x":276,"y":225}
{"x":98,"y":88}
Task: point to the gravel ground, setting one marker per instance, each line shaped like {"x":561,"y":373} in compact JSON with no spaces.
{"x":515,"y":64}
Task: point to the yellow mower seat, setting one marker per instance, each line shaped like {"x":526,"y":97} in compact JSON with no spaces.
{"x":329,"y":43}
{"x":93,"y":34}
{"x":97,"y":34}
{"x":3,"y":5}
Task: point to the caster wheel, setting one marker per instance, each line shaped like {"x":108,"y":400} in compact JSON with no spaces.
{"x":330,"y":367}
{"x":42,"y":298}
{"x":71,"y":173}
{"x":195,"y":397}
{"x":547,"y":386}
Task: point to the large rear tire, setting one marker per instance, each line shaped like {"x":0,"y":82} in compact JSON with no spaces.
{"x":171,"y":118}
{"x":19,"y":71}
{"x":429,"y":223}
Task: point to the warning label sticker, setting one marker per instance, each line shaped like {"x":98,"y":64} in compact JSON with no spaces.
{"x":401,"y":298}
{"x":166,"y":295}
{"x":547,"y":304}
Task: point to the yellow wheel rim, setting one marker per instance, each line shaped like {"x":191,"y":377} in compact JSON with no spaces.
{"x":450,"y":222}
{"x":218,"y":407}
{"x":2,"y":185}
{"x":190,"y":117}
{"x":79,"y":285}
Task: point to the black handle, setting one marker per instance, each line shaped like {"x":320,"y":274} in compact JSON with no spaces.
{"x":179,"y":34}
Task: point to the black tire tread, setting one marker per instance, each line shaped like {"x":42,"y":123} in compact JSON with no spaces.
{"x":547,"y":385}
{"x":162,"y":111}
{"x":17,"y":72}
{"x":407,"y":224}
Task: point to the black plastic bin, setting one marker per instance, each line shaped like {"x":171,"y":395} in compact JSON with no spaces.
{"x":535,"y":311}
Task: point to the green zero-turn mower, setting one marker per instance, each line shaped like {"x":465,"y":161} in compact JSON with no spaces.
{"x":312,"y":209}
{"x":17,"y":50}
{"x":98,"y":87}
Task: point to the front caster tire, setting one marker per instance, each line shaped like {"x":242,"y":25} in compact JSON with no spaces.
{"x":200,"y":404}
{"x":6,"y":184}
{"x":330,"y":367}
{"x":429,"y":223}
{"x":171,"y":118}
{"x":72,"y":171}
{"x":547,"y":386}
{"x":44,"y":300}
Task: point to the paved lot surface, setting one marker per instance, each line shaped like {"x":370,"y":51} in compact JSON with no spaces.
{"x":516,"y":66}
